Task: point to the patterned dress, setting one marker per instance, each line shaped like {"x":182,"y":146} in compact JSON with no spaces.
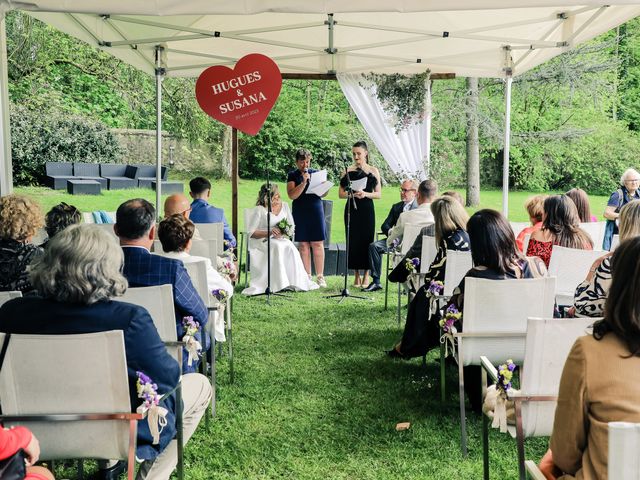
{"x":541,"y":250}
{"x":15,"y":258}
{"x":591,"y":295}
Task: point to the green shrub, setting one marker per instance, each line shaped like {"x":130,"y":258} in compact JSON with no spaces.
{"x":38,"y":137}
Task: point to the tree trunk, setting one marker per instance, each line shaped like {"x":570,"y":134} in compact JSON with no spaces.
{"x":227,"y":151}
{"x":473,"y":145}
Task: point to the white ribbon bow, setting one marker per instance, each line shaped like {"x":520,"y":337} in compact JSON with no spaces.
{"x":193,"y":347}
{"x":500,"y":413}
{"x":157,"y":419}
{"x":449,"y":342}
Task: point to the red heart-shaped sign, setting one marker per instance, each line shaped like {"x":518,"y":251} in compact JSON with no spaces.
{"x":241,"y":97}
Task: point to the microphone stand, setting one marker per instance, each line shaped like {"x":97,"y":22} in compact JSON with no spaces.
{"x":267,"y":292}
{"x":345,"y":291}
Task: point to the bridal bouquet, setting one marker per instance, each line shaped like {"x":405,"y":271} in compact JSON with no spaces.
{"x":192,"y":345}
{"x":156,"y":415}
{"x":286,"y":228}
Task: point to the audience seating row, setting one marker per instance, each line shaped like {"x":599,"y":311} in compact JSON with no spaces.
{"x":109,"y":176}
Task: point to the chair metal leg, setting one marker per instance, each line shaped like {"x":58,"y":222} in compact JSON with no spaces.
{"x":179,"y":432}
{"x":246,"y":265}
{"x":485,"y":446}
{"x":386,"y":284}
{"x":131,"y":454}
{"x":213,"y":378}
{"x":443,"y":384}
{"x":463,"y":418}
{"x":520,"y":440}
{"x":399,"y":301}
{"x":240,"y":254}
{"x":230,"y":339}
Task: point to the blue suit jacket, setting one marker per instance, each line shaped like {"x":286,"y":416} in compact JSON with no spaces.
{"x":144,"y":350}
{"x":202,"y":212}
{"x":143,"y":269}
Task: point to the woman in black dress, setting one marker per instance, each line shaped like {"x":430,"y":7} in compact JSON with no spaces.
{"x":308,"y":215}
{"x":363,"y":215}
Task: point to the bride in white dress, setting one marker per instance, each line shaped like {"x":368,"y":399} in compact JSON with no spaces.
{"x":287,"y":270}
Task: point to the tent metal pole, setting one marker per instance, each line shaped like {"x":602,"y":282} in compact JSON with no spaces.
{"x":507,"y":139}
{"x":160,"y":71}
{"x":234,"y":182}
{"x":6,"y":169}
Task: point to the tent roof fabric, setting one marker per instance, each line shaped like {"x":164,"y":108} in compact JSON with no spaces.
{"x":480,"y":38}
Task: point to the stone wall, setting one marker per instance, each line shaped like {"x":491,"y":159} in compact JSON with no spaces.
{"x":139,"y":146}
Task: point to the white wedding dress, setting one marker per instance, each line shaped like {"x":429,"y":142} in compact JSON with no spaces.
{"x":287,"y":270}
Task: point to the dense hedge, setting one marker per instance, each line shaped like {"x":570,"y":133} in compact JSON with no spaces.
{"x":38,"y":137}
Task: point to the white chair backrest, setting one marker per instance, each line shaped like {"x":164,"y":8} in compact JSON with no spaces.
{"x":458,"y":264}
{"x":199,"y":248}
{"x":596,"y":232}
{"x":67,"y":374}
{"x":429,"y":251}
{"x":570,"y":266}
{"x":158,"y":300}
{"x":615,"y":241}
{"x":212,"y":231}
{"x":40,"y":237}
{"x":517,"y":227}
{"x":108,"y":227}
{"x":411,"y":232}
{"x":547,"y":346}
{"x":502,"y":306}
{"x":198,"y":273}
{"x":525,"y":243}
{"x":624,"y":445}
{"x":6,"y":296}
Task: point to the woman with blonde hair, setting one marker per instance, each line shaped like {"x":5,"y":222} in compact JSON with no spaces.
{"x":20,"y":219}
{"x":421,"y":331}
{"x":287,"y":269}
{"x":591,"y":294}
{"x":535,"y":209}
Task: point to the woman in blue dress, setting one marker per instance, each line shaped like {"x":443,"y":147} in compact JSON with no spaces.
{"x":308,"y":215}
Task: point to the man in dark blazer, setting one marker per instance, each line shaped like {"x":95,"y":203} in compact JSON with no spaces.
{"x":135,"y":227}
{"x":408,"y":189}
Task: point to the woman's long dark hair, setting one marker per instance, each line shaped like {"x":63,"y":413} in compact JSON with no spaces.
{"x":622,"y":309}
{"x":562,"y":220}
{"x":493,"y":244}
{"x":581,"y":201}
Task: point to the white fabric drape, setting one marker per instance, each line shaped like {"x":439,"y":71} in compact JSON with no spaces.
{"x":403,"y":152}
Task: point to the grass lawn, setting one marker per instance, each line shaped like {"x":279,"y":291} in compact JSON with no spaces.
{"x":315,"y":396}
{"x":248,"y":191}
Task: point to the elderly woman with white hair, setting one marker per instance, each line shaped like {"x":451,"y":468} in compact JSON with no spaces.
{"x":77,"y":279}
{"x":629,"y":184}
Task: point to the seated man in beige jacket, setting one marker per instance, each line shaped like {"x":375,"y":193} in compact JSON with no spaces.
{"x":422,"y":216}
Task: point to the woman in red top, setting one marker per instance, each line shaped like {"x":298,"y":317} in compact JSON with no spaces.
{"x":535,"y":209}
{"x":560,"y":226}
{"x":12,"y":440}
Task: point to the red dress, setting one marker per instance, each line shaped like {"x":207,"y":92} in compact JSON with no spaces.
{"x":540,"y":249}
{"x":12,"y":440}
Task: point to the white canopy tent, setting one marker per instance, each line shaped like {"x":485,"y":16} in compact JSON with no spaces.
{"x":316,"y":39}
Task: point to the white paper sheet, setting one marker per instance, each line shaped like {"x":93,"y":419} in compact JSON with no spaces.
{"x":359,"y":185}
{"x":318,"y":183}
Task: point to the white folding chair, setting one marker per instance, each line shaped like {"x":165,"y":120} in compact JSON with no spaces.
{"x":158,"y":301}
{"x":547,"y":345}
{"x":457,"y":266}
{"x":72,"y":391}
{"x":198,"y":273}
{"x":212,"y":231}
{"x":570,"y":266}
{"x":429,"y":251}
{"x":6,"y":296}
{"x":525,"y":243}
{"x":624,"y":445}
{"x":517,"y":227}
{"x":244,"y":245}
{"x":615,"y":241}
{"x":40,"y":237}
{"x":411,"y":232}
{"x":199,"y":248}
{"x":108,"y":227}
{"x":595,"y":231}
{"x":494,"y":323}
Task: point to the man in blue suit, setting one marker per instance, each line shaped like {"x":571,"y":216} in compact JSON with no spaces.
{"x":202,"y":212}
{"x":135,"y":226}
